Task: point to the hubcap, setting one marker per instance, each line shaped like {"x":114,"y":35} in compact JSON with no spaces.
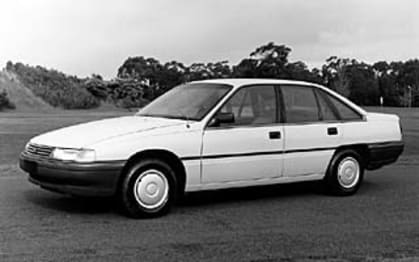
{"x":348,"y":172}
{"x":151,"y":189}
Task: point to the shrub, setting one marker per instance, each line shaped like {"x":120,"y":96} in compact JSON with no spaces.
{"x":5,"y":103}
{"x":125,"y":93}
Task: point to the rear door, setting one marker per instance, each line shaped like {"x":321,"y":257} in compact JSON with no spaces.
{"x":249,"y":148}
{"x":312,"y":131}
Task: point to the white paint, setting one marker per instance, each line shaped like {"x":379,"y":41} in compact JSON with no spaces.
{"x":241,"y":140}
{"x":309,"y":136}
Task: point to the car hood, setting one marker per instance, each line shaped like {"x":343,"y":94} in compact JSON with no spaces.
{"x":83,"y":135}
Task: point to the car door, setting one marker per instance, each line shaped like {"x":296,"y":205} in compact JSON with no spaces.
{"x":312,"y":131}
{"x":250,"y":147}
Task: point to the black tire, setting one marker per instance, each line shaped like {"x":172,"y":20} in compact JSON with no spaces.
{"x":336,"y":182}
{"x":130,"y":197}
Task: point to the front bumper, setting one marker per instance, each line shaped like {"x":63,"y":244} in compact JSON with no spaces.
{"x":82,"y":179}
{"x":381,"y":154}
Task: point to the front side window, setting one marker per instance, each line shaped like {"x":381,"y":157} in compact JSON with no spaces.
{"x":252,"y":105}
{"x":300,"y":104}
{"x":190,"y":101}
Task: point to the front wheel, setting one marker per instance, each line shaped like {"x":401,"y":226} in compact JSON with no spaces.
{"x":148,"y":189}
{"x":345,"y":173}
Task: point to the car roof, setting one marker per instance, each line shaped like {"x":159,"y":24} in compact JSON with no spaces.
{"x":236,"y":82}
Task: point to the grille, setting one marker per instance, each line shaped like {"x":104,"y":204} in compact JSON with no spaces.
{"x":38,"y":150}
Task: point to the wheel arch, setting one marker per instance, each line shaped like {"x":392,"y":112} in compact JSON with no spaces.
{"x":331,"y":183}
{"x":165,"y":155}
{"x":361,"y":149}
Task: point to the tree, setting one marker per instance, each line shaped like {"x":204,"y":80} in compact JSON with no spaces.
{"x":172,"y":74}
{"x":299,"y":71}
{"x":335,"y":74}
{"x":408,"y":79}
{"x":271,"y":61}
{"x":9,"y":65}
{"x":364,"y":87}
{"x":219,"y":69}
{"x":96,"y":87}
{"x":142,"y":69}
{"x":387,"y":84}
{"x":96,"y":76}
{"x":246,"y":68}
{"x":398,"y":82}
{"x":353,"y":79}
{"x":267,"y":61}
{"x":200,"y":71}
{"x":273,"y":53}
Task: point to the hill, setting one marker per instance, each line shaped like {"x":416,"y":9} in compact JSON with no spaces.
{"x":44,"y":89}
{"x":21,"y":96}
{"x":55,"y":88}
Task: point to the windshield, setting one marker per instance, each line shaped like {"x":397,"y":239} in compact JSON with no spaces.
{"x":189,"y":101}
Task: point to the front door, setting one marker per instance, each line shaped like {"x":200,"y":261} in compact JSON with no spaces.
{"x":250,"y":147}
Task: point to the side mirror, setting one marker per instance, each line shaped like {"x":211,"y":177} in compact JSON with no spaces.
{"x":221,"y":118}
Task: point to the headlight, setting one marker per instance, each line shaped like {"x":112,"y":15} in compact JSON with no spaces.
{"x":77,"y":155}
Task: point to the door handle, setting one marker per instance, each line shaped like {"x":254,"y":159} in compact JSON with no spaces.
{"x":332,"y":131}
{"x":275,"y":135}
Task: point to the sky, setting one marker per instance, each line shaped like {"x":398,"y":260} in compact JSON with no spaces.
{"x":82,"y":37}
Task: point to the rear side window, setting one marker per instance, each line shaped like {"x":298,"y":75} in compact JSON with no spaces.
{"x":344,"y":111}
{"x":300,"y":104}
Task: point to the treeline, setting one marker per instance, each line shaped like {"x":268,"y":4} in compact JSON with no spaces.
{"x":394,"y":84}
{"x":140,"y":79}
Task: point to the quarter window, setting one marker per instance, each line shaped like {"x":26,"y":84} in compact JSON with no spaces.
{"x":252,"y":105}
{"x":300,"y":104}
{"x":345,"y":112}
{"x":327,"y":111}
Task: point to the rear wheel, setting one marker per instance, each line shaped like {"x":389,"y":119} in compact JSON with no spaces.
{"x":148,"y":189}
{"x":345,"y":173}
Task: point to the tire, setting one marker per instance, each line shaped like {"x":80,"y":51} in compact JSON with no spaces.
{"x":148,"y":189}
{"x":345,"y":173}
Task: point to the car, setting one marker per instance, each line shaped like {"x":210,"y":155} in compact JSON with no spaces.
{"x":216,"y":134}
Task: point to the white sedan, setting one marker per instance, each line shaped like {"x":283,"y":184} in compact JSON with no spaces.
{"x":216,"y":134}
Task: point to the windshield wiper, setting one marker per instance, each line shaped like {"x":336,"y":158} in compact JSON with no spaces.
{"x":182,"y":117}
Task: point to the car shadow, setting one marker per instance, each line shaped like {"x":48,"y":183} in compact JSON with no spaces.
{"x":252,"y":193}
{"x":71,"y":204}
{"x":89,"y":205}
